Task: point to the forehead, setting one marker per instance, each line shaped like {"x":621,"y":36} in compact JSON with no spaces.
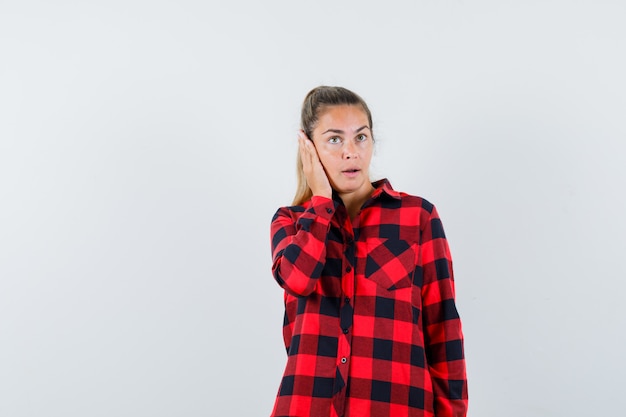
{"x":344,"y":115}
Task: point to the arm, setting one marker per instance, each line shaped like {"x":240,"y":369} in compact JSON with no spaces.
{"x":442,"y":325}
{"x":299,"y":246}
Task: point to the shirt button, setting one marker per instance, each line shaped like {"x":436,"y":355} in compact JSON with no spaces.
{"x":329,"y":210}
{"x":347,"y":300}
{"x":345,"y":331}
{"x":344,"y":360}
{"x":348,"y":269}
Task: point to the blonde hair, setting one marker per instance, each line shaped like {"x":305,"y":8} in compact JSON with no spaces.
{"x":315,"y":102}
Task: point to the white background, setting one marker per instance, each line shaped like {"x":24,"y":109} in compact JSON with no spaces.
{"x":145,"y":146}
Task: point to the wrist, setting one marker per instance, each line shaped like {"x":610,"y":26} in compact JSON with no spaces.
{"x":323,"y":193}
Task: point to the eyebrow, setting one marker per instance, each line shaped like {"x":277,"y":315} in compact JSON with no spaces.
{"x":341,"y":132}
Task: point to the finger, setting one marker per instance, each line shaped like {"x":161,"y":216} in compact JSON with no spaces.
{"x":302,"y":139}
{"x":304,"y":154}
{"x":306,"y":145}
{"x":302,"y":134}
{"x":315,"y":159}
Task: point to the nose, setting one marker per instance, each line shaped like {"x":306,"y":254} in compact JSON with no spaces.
{"x":350,"y":150}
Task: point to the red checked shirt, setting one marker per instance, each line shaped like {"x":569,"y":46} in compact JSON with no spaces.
{"x":371,"y":327}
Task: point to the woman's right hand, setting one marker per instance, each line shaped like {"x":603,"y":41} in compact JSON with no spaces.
{"x":316,"y":177}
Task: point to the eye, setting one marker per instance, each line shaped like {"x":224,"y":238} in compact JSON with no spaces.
{"x":334,"y":139}
{"x":361,"y":138}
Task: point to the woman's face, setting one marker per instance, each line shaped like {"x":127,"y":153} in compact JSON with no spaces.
{"x":344,"y":143}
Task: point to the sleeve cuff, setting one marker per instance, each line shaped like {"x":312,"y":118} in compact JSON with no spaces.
{"x":322,"y":206}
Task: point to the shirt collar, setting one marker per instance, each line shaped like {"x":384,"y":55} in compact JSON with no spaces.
{"x":384,"y":187}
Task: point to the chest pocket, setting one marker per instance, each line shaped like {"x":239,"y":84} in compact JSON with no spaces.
{"x":390,"y":263}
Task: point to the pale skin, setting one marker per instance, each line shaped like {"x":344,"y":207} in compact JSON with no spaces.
{"x":338,"y":156}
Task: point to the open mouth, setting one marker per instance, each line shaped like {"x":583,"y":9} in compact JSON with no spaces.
{"x":351,"y":172}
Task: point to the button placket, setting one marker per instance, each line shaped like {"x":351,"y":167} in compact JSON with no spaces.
{"x":346,"y":312}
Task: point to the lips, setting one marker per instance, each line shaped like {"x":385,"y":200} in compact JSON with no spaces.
{"x":351,"y":172}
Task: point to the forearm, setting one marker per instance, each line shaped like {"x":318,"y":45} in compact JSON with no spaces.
{"x":299,"y":246}
{"x":446,"y":359}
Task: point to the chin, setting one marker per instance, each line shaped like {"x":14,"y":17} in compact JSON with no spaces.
{"x":348,"y":188}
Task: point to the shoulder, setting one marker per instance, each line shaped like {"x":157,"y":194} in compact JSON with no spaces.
{"x":417,"y":201}
{"x":401,"y":199}
{"x":425,"y":214}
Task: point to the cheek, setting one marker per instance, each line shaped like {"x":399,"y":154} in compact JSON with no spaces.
{"x":326,"y":154}
{"x":367,"y":152}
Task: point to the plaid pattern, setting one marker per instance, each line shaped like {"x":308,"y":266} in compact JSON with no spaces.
{"x":371,"y":327}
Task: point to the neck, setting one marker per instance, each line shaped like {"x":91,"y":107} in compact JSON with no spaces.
{"x":355,"y":200}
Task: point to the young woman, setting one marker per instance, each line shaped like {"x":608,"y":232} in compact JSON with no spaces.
{"x":371,"y":327}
